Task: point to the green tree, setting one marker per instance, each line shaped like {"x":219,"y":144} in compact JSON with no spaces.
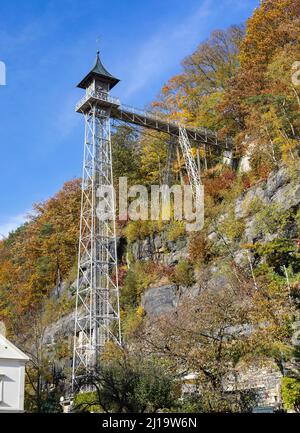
{"x":126,"y":153}
{"x":130,"y":384}
{"x":193,"y":95}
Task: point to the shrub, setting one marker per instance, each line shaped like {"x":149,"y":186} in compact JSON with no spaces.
{"x":216,"y":184}
{"x":128,"y":295}
{"x":183,"y":274}
{"x":271,"y":219}
{"x":232,"y":227}
{"x":290,"y":391}
{"x":138,"y":278}
{"x":251,"y":207}
{"x":86,"y":402}
{"x":175,"y":230}
{"x":199,"y":248}
{"x":131,"y":320}
{"x":278,"y":253}
{"x":141,"y":229}
{"x":131,"y":385}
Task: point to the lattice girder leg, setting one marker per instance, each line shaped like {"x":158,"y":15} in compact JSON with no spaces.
{"x":97,"y":314}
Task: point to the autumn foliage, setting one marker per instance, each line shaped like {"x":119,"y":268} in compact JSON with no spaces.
{"x":238,"y":82}
{"x":41,"y":253}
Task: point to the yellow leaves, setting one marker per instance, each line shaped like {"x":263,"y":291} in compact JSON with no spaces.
{"x":232,"y":227}
{"x":153,"y":156}
{"x":192,"y":97}
{"x":31,"y":258}
{"x":202,"y":152}
{"x":132,"y":322}
{"x":290,"y":390}
{"x":265,"y":31}
{"x":263,"y":81}
{"x":140,"y":312}
{"x":135,"y":230}
{"x":276,"y":134}
{"x":279,"y":70}
{"x":206,"y":113}
{"x":173,"y":84}
{"x":288,"y":147}
{"x":194,"y":152}
{"x":111,"y":352}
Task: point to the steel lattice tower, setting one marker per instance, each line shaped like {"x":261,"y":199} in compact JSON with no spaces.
{"x":97,"y":316}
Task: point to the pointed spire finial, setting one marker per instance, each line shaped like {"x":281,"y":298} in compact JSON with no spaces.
{"x":98,"y":45}
{"x":99,"y":72}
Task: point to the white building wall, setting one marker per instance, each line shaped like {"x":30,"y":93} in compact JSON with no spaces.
{"x":12,"y":378}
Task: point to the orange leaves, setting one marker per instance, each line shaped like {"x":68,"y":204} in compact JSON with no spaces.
{"x":262,"y":86}
{"x":32,"y":257}
{"x":215,"y":186}
{"x":266,"y":31}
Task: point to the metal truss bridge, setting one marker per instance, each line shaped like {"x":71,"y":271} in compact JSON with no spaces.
{"x":147,"y":119}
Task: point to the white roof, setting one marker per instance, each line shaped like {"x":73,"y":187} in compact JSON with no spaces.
{"x":10,"y":351}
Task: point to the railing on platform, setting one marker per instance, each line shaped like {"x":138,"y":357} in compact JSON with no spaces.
{"x":101,"y":96}
{"x":161,"y":118}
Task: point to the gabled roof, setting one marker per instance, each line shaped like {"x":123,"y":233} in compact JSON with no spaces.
{"x":98,"y":71}
{"x":10,"y":351}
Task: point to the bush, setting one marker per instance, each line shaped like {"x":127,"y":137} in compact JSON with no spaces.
{"x":130,"y":385}
{"x":131,"y":320}
{"x":138,"y":278}
{"x":86,"y":402}
{"x":290,"y":391}
{"x":271,"y":219}
{"x":141,"y":229}
{"x":278,"y":253}
{"x":251,"y":207}
{"x":199,"y":248}
{"x":183,"y":274}
{"x":233,"y":228}
{"x":175,"y":230}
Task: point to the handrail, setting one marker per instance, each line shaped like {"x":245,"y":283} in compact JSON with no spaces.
{"x":154,"y":116}
{"x":102,"y":96}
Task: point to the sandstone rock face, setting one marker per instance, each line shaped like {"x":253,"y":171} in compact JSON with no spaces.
{"x":158,"y":248}
{"x":287,"y":196}
{"x":160,"y":300}
{"x":276,"y":181}
{"x":63,"y":328}
{"x":281,"y":189}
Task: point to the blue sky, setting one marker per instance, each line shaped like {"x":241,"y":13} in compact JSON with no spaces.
{"x":48,"y":46}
